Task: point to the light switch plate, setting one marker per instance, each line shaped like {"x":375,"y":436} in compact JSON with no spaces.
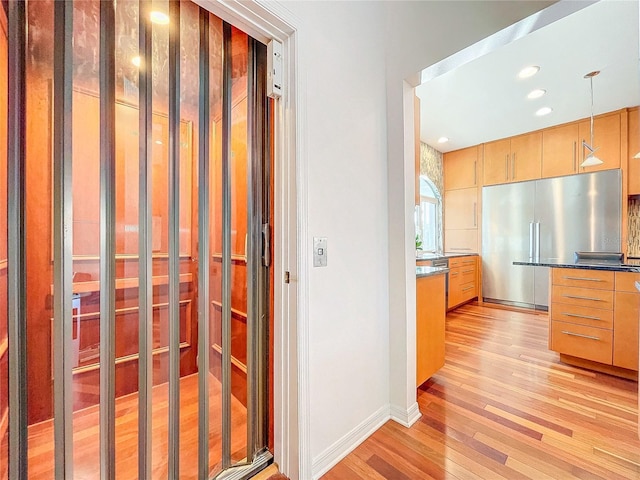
{"x":319,"y":251}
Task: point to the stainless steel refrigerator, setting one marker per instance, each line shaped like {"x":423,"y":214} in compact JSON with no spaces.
{"x":546,"y":219}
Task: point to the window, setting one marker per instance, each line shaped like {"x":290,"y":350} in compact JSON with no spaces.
{"x":427,"y":216}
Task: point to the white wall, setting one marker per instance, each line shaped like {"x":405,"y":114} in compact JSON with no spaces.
{"x":341,"y":50}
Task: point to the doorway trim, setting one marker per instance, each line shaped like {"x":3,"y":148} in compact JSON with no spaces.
{"x":265,"y":21}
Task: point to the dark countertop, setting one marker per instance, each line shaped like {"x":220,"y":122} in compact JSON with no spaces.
{"x":629,"y":265}
{"x":437,"y":256}
{"x":422,"y":272}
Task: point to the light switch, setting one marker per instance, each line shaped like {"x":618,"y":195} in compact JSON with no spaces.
{"x":319,"y":251}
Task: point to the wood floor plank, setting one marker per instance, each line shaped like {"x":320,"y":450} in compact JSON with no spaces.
{"x":503,"y":406}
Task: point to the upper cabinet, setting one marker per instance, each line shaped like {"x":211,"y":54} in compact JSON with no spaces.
{"x":562,"y":150}
{"x":513,"y":159}
{"x":461,"y":168}
{"x":633,"y":150}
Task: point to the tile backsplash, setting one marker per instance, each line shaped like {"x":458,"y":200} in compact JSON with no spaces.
{"x":634,"y":226}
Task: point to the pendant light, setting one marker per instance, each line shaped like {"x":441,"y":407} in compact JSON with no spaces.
{"x":591,"y":160}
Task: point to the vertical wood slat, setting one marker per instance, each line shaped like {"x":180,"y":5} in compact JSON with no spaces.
{"x":16,"y":306}
{"x":145,"y":292}
{"x":174,"y":239}
{"x":107,"y":240}
{"x":226,"y":246}
{"x":62,"y":236}
{"x":204,"y":253}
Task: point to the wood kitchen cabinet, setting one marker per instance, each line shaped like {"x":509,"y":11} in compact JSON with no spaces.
{"x":461,"y":209}
{"x":513,"y":159}
{"x":626,"y":318}
{"x":606,"y":136}
{"x":560,"y":150}
{"x":633,"y":139}
{"x":461,"y":168}
{"x":430,"y":325}
{"x":463,"y":280}
{"x":461,"y":240}
{"x":594,"y":318}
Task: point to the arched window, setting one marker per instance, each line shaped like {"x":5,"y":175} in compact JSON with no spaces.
{"x":428,"y":216}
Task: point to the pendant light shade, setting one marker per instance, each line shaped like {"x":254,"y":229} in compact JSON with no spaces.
{"x":591,"y":160}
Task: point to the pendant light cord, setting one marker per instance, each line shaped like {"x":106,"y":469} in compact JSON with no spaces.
{"x":591,"y":83}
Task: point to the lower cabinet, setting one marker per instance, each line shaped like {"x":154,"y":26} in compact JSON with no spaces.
{"x":626,"y":319}
{"x":430,"y":318}
{"x":463,"y":280}
{"x":594,"y":316}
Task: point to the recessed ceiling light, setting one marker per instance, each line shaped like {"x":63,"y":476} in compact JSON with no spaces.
{"x":443,"y":140}
{"x":136,"y":61}
{"x":159,"y":18}
{"x":528,"y":71}
{"x":544,"y":111}
{"x":536,"y":93}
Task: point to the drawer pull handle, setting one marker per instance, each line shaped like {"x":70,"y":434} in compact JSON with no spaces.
{"x":583,"y":298}
{"x":468,"y":288}
{"x":467,"y":271}
{"x":584,"y":279}
{"x":454,"y":274}
{"x":459,"y":248}
{"x":580,"y":316}
{"x":580,"y":335}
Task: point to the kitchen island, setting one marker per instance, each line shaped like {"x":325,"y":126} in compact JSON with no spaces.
{"x":430,"y":317}
{"x":594,"y":311}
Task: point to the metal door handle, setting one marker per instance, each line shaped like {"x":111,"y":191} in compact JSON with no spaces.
{"x":580,"y":335}
{"x":537,"y":245}
{"x":513,"y":167}
{"x":585,"y":279}
{"x":266,"y":245}
{"x":531,"y":240}
{"x":576,"y":297}
{"x":580,"y":316}
{"x":467,"y":271}
{"x":506,"y":167}
{"x":475,"y":172}
{"x":457,"y":248}
{"x":574,"y":156}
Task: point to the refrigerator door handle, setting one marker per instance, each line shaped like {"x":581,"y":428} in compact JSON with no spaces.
{"x":537,"y":245}
{"x":531,"y":229}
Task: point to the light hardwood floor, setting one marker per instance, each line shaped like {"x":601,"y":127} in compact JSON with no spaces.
{"x":86,"y":432}
{"x":504,"y":407}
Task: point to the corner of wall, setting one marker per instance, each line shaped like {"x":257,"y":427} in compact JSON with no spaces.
{"x":345,"y":445}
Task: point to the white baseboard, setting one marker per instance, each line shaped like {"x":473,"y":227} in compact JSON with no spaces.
{"x":340,"y":449}
{"x":407,"y":417}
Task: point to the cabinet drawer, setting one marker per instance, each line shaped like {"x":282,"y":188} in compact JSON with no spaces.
{"x":584,"y":297}
{"x":462,"y":261}
{"x":593,"y":317}
{"x":625,"y":281}
{"x":468,"y":273}
{"x":576,"y":277}
{"x":468,"y":291}
{"x":583,"y":342}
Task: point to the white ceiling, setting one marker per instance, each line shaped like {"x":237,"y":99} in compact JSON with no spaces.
{"x":484,"y":100}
